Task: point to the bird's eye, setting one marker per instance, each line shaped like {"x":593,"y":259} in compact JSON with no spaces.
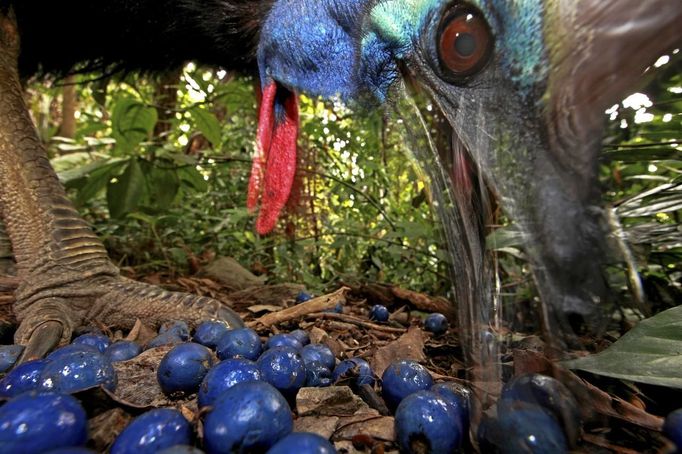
{"x":465,"y":42}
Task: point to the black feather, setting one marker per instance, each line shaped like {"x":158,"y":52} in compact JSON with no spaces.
{"x":58,"y":37}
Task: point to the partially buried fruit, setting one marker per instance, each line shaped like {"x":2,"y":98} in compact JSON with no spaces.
{"x":76,"y":372}
{"x":9,"y":355}
{"x":239,"y":343}
{"x":37,"y":422}
{"x":183,"y":368}
{"x":152,"y":432}
{"x":357,"y":370}
{"x":379,"y":313}
{"x":402,"y":378}
{"x":283,"y":368}
{"x":303,"y":443}
{"x":224,"y":376}
{"x":425,"y":423}
{"x":249,"y":417}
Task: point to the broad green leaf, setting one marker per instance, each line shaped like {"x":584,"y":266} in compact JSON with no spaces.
{"x":128,"y":191}
{"x":96,"y":180}
{"x":208,"y":125}
{"x":192,"y":177}
{"x":649,"y":353}
{"x":132,"y":122}
{"x":163,"y":185}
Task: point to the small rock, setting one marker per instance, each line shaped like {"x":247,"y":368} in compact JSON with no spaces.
{"x":331,"y":401}
{"x":380,"y":428}
{"x":324,"y":426}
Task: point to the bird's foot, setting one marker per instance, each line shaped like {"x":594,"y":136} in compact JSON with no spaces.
{"x":49,"y":320}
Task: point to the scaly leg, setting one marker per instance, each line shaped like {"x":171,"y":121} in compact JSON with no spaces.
{"x":67,"y":277}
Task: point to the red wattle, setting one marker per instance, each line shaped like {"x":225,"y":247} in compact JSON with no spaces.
{"x":274,"y":164}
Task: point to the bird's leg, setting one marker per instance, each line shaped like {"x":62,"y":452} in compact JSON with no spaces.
{"x":67,"y":277}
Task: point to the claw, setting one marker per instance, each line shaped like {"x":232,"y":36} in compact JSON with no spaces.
{"x":42,"y":340}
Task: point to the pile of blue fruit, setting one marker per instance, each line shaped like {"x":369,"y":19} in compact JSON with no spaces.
{"x":245,"y":390}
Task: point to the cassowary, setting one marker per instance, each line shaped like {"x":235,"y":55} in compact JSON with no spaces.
{"x":522,"y":82}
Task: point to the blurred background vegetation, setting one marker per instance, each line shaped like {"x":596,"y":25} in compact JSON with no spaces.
{"x":160,"y":167}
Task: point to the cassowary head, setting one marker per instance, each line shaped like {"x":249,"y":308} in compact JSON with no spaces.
{"x":523,"y":83}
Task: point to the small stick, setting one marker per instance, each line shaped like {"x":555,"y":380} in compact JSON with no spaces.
{"x":321,"y":303}
{"x":356,"y":321}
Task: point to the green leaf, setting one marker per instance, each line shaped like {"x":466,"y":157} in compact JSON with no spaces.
{"x":193,"y":178}
{"x":128,"y":192}
{"x":649,"y":353}
{"x":208,"y":125}
{"x":96,"y":180}
{"x":163,"y":186}
{"x":132,"y":122}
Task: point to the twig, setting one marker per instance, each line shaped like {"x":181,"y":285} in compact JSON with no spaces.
{"x":321,"y":303}
{"x":356,"y":321}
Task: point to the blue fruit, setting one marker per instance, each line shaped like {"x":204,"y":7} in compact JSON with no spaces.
{"x":379,"y":313}
{"x":402,"y":378}
{"x":224,"y":376}
{"x":356,"y":369}
{"x":317,"y":375}
{"x":99,"y":341}
{"x":672,"y":428}
{"x":167,"y":338}
{"x":249,"y":417}
{"x":283,"y":340}
{"x":548,"y":393}
{"x":319,"y":353}
{"x":303,"y":443}
{"x":527,"y":429}
{"x":181,"y":449}
{"x":302,"y":297}
{"x":177,"y":328}
{"x":72,"y":450}
{"x":122,"y":351}
{"x":208,"y":333}
{"x":283,"y":368}
{"x":436,"y":323}
{"x":38,"y":422}
{"x":427,"y":423}
{"x":25,"y":377}
{"x":301,"y":336}
{"x":459,"y":397}
{"x":9,"y":355}
{"x":72,"y":348}
{"x":153,"y":431}
{"x":239,"y":343}
{"x":76,"y":372}
{"x":183,"y":368}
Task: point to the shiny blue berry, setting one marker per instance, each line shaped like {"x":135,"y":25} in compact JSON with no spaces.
{"x":301,"y":336}
{"x":99,"y":341}
{"x":224,"y":376}
{"x":283,"y":368}
{"x":153,"y":431}
{"x":283,"y":340}
{"x":72,"y":348}
{"x":239,"y":343}
{"x":672,"y":428}
{"x":25,"y":377}
{"x":303,"y":443}
{"x":436,"y":323}
{"x":208,"y":333}
{"x":402,"y":378}
{"x":249,"y":417}
{"x":302,"y":297}
{"x":183,"y":368}
{"x":317,"y":375}
{"x":427,"y":423}
{"x":122,"y":351}
{"x":459,"y":397}
{"x":9,"y":354}
{"x":178,"y":328}
{"x":319,"y":353}
{"x":379,"y":313}
{"x":76,"y":372}
{"x":38,"y":422}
